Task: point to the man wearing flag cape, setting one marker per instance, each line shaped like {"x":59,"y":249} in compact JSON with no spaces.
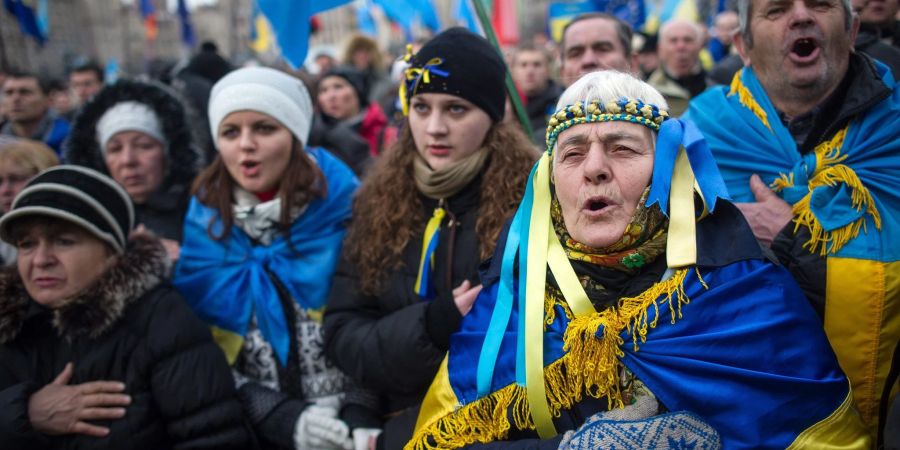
{"x":808,"y":140}
{"x":628,"y":305}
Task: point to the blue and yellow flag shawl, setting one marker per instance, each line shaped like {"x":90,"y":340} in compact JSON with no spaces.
{"x":227,"y":282}
{"x":730,"y":339}
{"x":847,"y":193}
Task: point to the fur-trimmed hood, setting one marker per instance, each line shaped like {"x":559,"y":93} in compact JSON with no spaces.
{"x":183,"y":156}
{"x":93,"y":311}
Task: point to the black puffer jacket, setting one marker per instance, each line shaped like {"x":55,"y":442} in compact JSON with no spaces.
{"x":163,"y":212}
{"x":394,"y":342}
{"x":132,"y":327}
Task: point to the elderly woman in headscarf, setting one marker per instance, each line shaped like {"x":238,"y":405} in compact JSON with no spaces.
{"x":140,"y":134}
{"x":629,"y":306}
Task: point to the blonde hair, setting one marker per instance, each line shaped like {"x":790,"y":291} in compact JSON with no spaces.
{"x":32,"y":156}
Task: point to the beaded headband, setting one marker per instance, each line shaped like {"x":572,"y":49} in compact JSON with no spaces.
{"x":625,"y":109}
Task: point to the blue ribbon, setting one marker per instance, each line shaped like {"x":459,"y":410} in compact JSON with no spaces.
{"x":675,"y":134}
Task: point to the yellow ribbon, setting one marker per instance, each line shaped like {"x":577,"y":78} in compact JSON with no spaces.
{"x":420,"y":74}
{"x":426,"y":260}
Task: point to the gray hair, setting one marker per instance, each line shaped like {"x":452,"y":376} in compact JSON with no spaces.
{"x":609,"y":86}
{"x":743,"y":11}
{"x":623,"y":30}
{"x":664,"y":29}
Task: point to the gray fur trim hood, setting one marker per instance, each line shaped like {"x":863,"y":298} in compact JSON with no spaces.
{"x":92,"y":312}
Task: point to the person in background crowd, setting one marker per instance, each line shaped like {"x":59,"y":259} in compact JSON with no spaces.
{"x":98,"y":350}
{"x":592,"y":42}
{"x":262,"y":237}
{"x":61,"y":99}
{"x":807,"y":138}
{"x":724,"y":26}
{"x":428,"y":212}
{"x":530,"y":69}
{"x":195,"y":81}
{"x":86,"y":80}
{"x":869,"y":38}
{"x":679,"y":76}
{"x":636,"y":331}
{"x":324,"y":62}
{"x":362,"y":53}
{"x":346,"y":123}
{"x":20,"y":160}
{"x":26,"y":106}
{"x":141,"y":135}
{"x":646,"y":58}
{"x":881,"y":17}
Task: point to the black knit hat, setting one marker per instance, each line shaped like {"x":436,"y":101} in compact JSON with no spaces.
{"x":79,"y":195}
{"x":352,"y":76}
{"x":461,"y":63}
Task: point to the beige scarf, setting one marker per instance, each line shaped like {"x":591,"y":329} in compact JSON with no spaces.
{"x":447,"y":181}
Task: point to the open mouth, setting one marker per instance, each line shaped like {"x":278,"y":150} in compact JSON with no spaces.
{"x":596,"y":205}
{"x":804,"y":48}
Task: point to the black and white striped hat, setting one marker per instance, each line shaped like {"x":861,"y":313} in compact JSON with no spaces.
{"x":79,"y":195}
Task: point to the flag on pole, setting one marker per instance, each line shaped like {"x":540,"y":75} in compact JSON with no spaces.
{"x":148,"y":13}
{"x":506,"y":22}
{"x":43,"y":17}
{"x":465,"y":17}
{"x":290,"y":23}
{"x":364,"y":21}
{"x":632,"y":12}
{"x":187,"y":30}
{"x":28,"y":21}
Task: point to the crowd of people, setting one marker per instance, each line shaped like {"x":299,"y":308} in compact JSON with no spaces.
{"x":689,"y":243}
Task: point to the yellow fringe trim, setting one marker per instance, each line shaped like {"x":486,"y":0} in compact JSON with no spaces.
{"x":829,"y":172}
{"x":589,"y":366}
{"x":746,"y":99}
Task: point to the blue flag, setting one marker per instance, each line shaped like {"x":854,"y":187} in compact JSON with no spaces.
{"x":364,"y":20}
{"x":406,"y":12}
{"x":187,"y":31}
{"x":28,"y":20}
{"x":465,"y":16}
{"x":290,"y":23}
{"x":632,"y":12}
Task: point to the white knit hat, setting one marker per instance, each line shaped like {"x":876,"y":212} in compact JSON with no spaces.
{"x":128,"y":116}
{"x":260,"y":89}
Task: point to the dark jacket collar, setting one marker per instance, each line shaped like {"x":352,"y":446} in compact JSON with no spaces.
{"x":860,"y":90}
{"x":95,"y":310}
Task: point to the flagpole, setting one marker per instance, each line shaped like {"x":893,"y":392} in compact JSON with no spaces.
{"x":510,"y":86}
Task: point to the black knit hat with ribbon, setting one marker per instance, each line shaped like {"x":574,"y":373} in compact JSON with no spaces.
{"x":461,"y":63}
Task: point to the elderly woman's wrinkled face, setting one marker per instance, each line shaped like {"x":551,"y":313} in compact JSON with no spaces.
{"x":600,"y":171}
{"x":58,"y":260}
{"x":13,"y":179}
{"x":136,"y":161}
{"x":446,"y":128}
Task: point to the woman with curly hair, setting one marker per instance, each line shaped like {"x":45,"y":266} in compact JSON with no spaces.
{"x":140,"y":134}
{"x":429,"y":211}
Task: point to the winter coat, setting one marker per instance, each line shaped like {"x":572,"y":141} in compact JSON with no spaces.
{"x":162,"y":213}
{"x":130,"y":326}
{"x":355,"y":140}
{"x":394,"y":341}
{"x":540,"y":107}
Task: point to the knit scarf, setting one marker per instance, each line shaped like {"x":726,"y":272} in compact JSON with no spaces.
{"x":445,"y":182}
